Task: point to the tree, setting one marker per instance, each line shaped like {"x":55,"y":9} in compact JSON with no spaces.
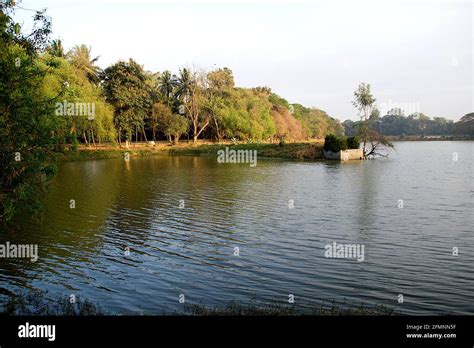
{"x":95,"y":122}
{"x":166,"y":86}
{"x":373,"y":143}
{"x":221,"y":81}
{"x":287,"y":126}
{"x":171,"y":125}
{"x":465,"y":125}
{"x":335,"y":143}
{"x":29,"y":144}
{"x":127,"y":89}
{"x":192,"y":95}
{"x":247,"y":115}
{"x":178,"y":126}
{"x":161,"y":120}
{"x":80,"y":58}
{"x":56,"y":48}
{"x":219,"y":87}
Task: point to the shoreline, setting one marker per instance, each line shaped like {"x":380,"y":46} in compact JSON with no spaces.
{"x":41,"y":302}
{"x":297,"y":151}
{"x":429,"y":138}
{"x":289,"y":151}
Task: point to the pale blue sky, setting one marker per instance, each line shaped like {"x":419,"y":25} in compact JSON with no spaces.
{"x":416,"y":54}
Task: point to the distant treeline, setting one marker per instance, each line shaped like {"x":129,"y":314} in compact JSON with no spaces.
{"x":417,"y":124}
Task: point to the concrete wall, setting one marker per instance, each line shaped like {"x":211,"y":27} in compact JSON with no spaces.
{"x":346,"y":155}
{"x":352,"y":154}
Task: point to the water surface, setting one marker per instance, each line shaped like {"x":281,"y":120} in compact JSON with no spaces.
{"x":190,"y":250}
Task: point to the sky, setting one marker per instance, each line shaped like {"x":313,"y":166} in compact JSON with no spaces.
{"x":416,"y":54}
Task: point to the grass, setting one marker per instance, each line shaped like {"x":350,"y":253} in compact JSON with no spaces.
{"x":276,"y":308}
{"x":294,"y":151}
{"x":290,"y":151}
{"x":37,"y":302}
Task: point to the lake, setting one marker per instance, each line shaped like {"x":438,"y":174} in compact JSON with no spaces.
{"x":145,"y":231}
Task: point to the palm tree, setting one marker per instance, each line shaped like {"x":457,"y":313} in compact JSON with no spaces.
{"x":166,"y":86}
{"x":80,"y":58}
{"x":56,"y":48}
{"x":184,"y":82}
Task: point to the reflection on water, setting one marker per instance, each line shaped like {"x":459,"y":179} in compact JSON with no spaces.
{"x":190,"y":249}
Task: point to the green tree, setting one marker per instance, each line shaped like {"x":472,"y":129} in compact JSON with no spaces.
{"x":161,"y":120}
{"x":127,"y":89}
{"x":373,"y":142}
{"x":80,"y":58}
{"x":192,"y":96}
{"x":29,"y":143}
{"x":167,"y":84}
{"x":220,"y":85}
{"x":178,"y":126}
{"x":465,"y":125}
{"x":56,"y":48}
{"x":96,"y":123}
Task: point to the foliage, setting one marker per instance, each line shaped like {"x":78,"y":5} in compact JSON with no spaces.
{"x":98,"y":127}
{"x":287,"y":126}
{"x":335,"y":143}
{"x":178,"y":126}
{"x":373,"y":143}
{"x":414,"y":124}
{"x":353,"y":142}
{"x":276,"y":308}
{"x":278,"y":101}
{"x":316,"y":122}
{"x":80,"y":58}
{"x":246,"y":115}
{"x":465,"y":125}
{"x":38,"y":302}
{"x":29,"y":141}
{"x":126,"y":89}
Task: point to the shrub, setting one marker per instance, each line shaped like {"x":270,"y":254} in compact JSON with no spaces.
{"x":353,"y":142}
{"x":334,"y":143}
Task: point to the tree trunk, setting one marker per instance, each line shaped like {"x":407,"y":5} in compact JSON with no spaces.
{"x":93,"y":140}
{"x":195,"y":132}
{"x":144,"y":134}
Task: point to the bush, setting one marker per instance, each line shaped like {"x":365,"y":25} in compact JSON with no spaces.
{"x":353,"y":143}
{"x":334,"y":143}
